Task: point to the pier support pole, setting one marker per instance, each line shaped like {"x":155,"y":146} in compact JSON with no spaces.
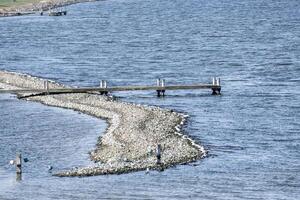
{"x":158,"y":93}
{"x":216,"y":82}
{"x":219,"y":84}
{"x":160,"y":83}
{"x":163,"y":85}
{"x":46,"y":87}
{"x":214,"y":91}
{"x":19,"y":166}
{"x":103,"y":84}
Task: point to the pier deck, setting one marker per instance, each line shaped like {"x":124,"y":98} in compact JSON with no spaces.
{"x":104,"y":89}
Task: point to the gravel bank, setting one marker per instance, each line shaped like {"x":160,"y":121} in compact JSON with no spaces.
{"x":34,"y":7}
{"x":134,"y":131}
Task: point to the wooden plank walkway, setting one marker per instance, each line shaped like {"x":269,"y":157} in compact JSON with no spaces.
{"x":160,"y":88}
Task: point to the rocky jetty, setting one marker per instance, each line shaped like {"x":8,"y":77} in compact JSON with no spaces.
{"x":42,"y":5}
{"x":134,"y":131}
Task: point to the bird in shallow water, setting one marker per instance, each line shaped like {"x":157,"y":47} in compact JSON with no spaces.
{"x":50,"y":168}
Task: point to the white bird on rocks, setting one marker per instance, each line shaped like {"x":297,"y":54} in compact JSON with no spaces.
{"x":147,"y":170}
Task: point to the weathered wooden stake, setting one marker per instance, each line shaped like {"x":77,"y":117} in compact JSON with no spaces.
{"x":214,"y":91}
{"x":163,"y":85}
{"x":160,"y":83}
{"x":217,"y":82}
{"x":158,"y":154}
{"x":214,"y":81}
{"x":103,"y":84}
{"x":19,"y":163}
{"x":46,"y":86}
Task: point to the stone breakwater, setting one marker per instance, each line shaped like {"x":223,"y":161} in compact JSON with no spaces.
{"x":134,"y":131}
{"x":42,"y":5}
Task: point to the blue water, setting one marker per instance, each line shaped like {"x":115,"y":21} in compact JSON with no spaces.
{"x":251,"y":131}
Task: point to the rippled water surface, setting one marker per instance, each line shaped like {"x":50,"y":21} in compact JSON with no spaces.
{"x":251,"y":131}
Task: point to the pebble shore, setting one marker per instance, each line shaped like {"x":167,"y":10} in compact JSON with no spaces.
{"x":134,"y":131}
{"x":37,"y":7}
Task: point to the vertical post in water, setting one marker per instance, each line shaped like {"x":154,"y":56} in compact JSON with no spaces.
{"x":46,"y":86}
{"x":219,"y":84}
{"x":158,"y":154}
{"x":163,"y":85}
{"x":218,"y":81}
{"x":214,"y":83}
{"x":103,"y":84}
{"x":19,"y":164}
{"x":158,"y":83}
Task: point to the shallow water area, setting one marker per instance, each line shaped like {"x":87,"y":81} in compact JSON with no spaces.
{"x":251,"y":131}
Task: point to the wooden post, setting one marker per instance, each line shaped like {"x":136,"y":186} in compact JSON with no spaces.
{"x":158,"y":154}
{"x":158,"y":82}
{"x":19,"y":163}
{"x":103,"y":84}
{"x":163,"y":85}
{"x":219,"y":84}
{"x":218,"y":81}
{"x":158,"y":85}
{"x":46,"y":86}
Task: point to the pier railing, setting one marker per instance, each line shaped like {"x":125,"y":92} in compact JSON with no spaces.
{"x":160,"y":88}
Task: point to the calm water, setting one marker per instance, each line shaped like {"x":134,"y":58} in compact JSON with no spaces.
{"x":251,"y":131}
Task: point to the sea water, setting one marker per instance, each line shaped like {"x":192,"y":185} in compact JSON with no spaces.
{"x":251,"y":131}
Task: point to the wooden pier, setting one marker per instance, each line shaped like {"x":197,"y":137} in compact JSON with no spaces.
{"x":160,"y":88}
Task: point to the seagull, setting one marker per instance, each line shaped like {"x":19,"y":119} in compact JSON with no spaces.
{"x":50,"y":168}
{"x":147,"y":170}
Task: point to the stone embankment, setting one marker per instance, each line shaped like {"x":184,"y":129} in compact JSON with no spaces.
{"x":134,"y":131}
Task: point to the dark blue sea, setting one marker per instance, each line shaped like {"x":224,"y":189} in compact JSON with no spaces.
{"x":251,"y":131}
